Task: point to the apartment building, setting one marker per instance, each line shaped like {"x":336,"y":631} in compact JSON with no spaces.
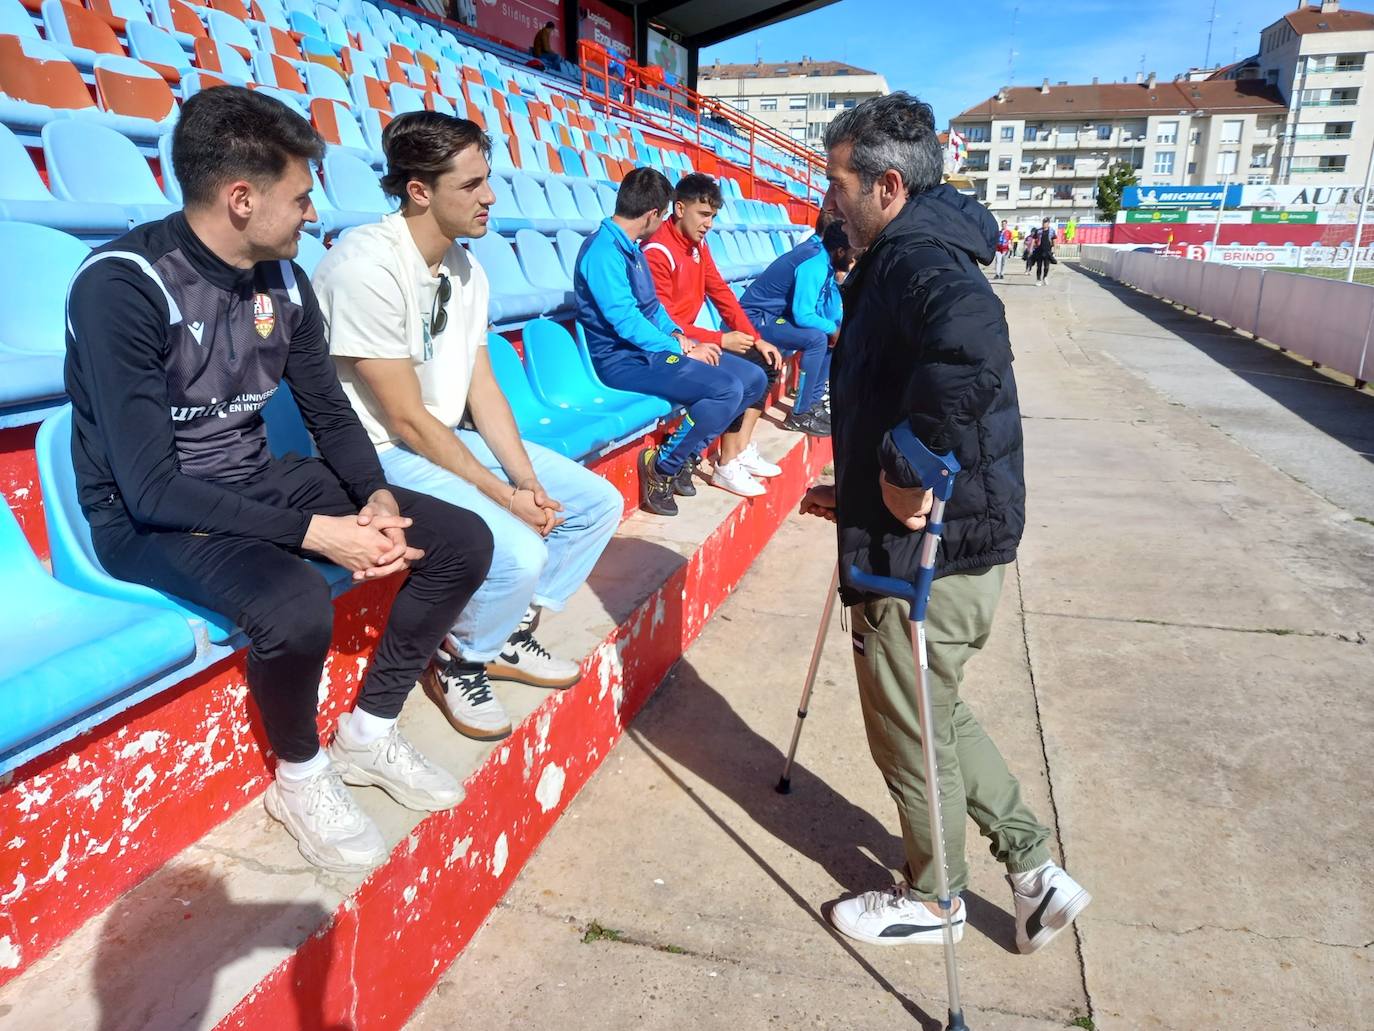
{"x":1037,"y":152}
{"x":798,"y":98}
{"x":1317,"y":57}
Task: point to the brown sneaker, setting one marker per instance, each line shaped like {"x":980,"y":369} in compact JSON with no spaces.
{"x":462,"y":692}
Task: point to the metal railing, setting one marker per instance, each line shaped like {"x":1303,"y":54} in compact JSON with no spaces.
{"x":618,"y":85}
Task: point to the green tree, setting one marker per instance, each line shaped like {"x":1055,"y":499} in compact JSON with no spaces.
{"x":1109,"y":188}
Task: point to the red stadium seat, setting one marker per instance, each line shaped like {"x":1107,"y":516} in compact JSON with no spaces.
{"x":33,"y":72}
{"x":85,"y":29}
{"x":128,"y":87}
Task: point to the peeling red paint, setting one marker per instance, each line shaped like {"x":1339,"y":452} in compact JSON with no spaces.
{"x":19,"y":484}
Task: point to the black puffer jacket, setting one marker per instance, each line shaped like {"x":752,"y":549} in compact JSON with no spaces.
{"x":925,"y":339}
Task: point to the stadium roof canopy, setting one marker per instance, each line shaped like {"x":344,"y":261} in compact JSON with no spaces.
{"x":706,"y":22}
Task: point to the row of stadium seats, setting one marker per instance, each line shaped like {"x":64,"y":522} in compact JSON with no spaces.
{"x":530,"y":277}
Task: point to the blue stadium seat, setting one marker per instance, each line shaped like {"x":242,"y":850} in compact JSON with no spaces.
{"x":501,"y":161}
{"x":24,"y":198}
{"x":352,"y":186}
{"x":325,"y":82}
{"x":95,"y":164}
{"x":569,"y":243}
{"x":74,"y":561}
{"x":63,"y":653}
{"x":534,"y":204}
{"x":589,"y":204}
{"x":36,"y":265}
{"x":225,"y":30}
{"x":541,"y":265}
{"x":606,"y":194}
{"x":513,"y":297}
{"x":563,"y":204}
{"x":572,"y":163}
{"x":560,"y":379}
{"x":15,"y":21}
{"x":153,"y":45}
{"x":571,"y":434}
{"x":506,"y":216}
{"x":310,"y":253}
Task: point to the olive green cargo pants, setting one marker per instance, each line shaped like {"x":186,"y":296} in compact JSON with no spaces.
{"x":974,"y":779}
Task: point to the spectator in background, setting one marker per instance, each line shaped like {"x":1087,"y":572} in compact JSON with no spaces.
{"x":1043,"y":255}
{"x":999,"y":260}
{"x":796,"y":304}
{"x":1028,"y":253}
{"x":1015,"y":239}
{"x":177,"y":334}
{"x":1070,"y":230}
{"x":406,"y":307}
{"x":635,"y":345}
{"x":543,"y":48}
{"x":685,"y":275}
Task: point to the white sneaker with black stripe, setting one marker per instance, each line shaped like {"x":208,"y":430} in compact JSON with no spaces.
{"x":892,"y":917}
{"x":525,"y":661}
{"x":1050,"y":904}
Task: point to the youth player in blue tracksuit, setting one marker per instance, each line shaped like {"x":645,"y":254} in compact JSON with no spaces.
{"x":634,"y":345}
{"x":796,"y":305}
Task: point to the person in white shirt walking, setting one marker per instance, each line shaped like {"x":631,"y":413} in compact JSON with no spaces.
{"x":999,"y":261}
{"x":407,"y":312}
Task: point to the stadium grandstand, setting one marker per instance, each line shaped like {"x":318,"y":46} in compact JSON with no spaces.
{"x":129,"y":754}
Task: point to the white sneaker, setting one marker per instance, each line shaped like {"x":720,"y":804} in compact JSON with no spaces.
{"x":462,"y":692}
{"x":732,"y":476}
{"x":1055,"y":902}
{"x":893,"y":917}
{"x":396,"y":766}
{"x":329,"y":828}
{"x":526,"y":661}
{"x":755,"y":464}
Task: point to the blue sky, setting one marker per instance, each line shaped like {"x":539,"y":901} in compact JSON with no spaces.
{"x":956,"y":54}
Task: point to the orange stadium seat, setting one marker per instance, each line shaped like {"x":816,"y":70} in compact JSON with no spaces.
{"x":128,"y":87}
{"x":33,"y":72}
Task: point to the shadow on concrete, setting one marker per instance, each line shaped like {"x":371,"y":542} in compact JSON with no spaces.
{"x":164,"y":944}
{"x":1341,"y":412}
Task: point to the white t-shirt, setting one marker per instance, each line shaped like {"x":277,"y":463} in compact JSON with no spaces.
{"x":377,"y":295}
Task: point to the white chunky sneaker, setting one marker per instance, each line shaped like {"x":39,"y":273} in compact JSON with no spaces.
{"x":462,"y":692}
{"x":1054,"y":902}
{"x":526,"y":661}
{"x":732,"y":476}
{"x":892,"y":917}
{"x":329,"y":828}
{"x":396,"y":766}
{"x":755,"y":464}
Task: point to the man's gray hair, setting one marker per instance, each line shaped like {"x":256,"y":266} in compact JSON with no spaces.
{"x":893,"y":132}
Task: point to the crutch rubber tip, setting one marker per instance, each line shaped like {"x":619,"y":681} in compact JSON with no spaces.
{"x":784,"y":786}
{"x":956,"y":1022}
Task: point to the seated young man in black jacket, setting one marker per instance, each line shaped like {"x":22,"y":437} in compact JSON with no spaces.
{"x":178,"y":333}
{"x":925,"y":341}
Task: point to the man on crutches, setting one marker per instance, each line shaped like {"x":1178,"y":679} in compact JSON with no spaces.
{"x":925,"y":349}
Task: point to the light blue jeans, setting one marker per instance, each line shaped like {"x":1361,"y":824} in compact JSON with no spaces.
{"x":525,"y":568}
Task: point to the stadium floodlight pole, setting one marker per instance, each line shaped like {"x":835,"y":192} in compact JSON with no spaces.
{"x":1359,"y":219}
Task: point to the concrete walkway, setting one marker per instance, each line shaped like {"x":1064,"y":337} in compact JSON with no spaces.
{"x":1181,"y":674}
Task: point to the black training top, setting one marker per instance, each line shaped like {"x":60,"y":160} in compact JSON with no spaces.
{"x":171,"y":354}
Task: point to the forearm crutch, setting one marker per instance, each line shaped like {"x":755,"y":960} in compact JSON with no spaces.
{"x":785,"y":781}
{"x":938,"y":474}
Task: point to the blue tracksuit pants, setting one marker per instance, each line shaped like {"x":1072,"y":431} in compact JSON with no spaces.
{"x":814,"y":346}
{"x":714,"y":395}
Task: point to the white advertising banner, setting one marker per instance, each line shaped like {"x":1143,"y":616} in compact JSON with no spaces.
{"x":1282,"y":256}
{"x":1277,"y":196}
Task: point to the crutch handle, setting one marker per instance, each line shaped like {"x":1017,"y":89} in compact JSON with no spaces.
{"x":937,"y":473}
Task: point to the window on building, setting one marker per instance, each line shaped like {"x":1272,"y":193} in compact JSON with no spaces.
{"x":1226,"y":162}
{"x":815,"y":129}
{"x":797,"y":132}
{"x":1330,"y":163}
{"x":1031,"y":133}
{"x":1063,"y":162}
{"x":768,"y":103}
{"x":1257,"y":180}
{"x":796,"y":103}
{"x":1063,"y":191}
{"x":1166,"y":132}
{"x":1068,"y":133}
{"x":1104,"y":132}
{"x":1008,"y":133}
{"x":1164,"y":162}
{"x":1261,"y":157}
{"x":1337,"y":130}
{"x":1023,"y":193}
{"x":849,"y":103}
{"x":1192,"y":167}
{"x":1027,"y":165}
{"x":741,"y":104}
{"x":1195,"y":136}
{"x":1230,"y":130}
{"x":1004,"y":163}
{"x":1004,"y":192}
